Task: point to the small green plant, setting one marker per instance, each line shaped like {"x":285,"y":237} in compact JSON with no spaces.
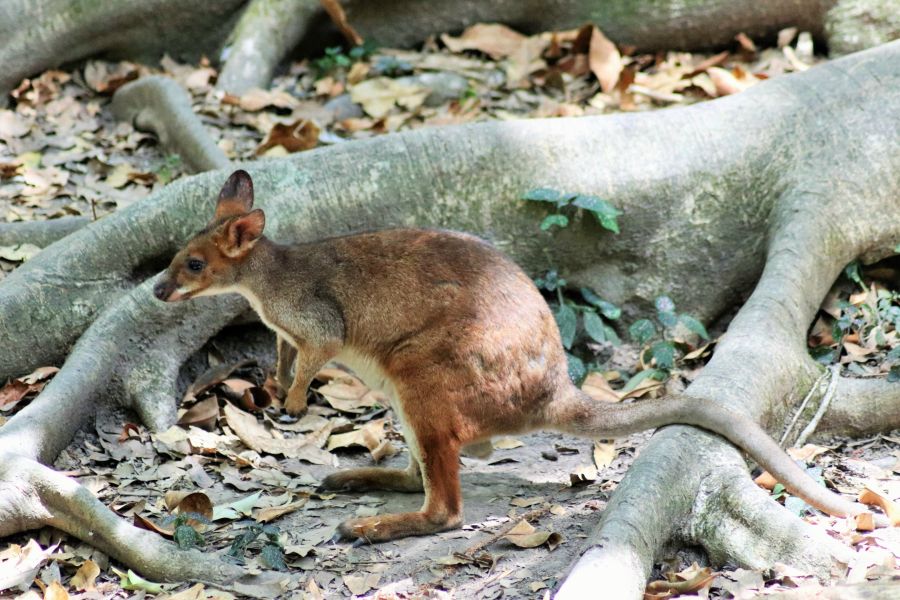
{"x":170,"y":167}
{"x":870,"y":319}
{"x":186,"y":535}
{"x":335,"y":58}
{"x":590,"y":310}
{"x":271,"y":552}
{"x":660,"y":344}
{"x":566,"y":205}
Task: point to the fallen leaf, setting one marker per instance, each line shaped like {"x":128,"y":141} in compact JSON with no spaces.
{"x":84,"y":577}
{"x":604,"y":60}
{"x":293,"y":137}
{"x":507,"y":443}
{"x":870,"y":497}
{"x":597,"y":387}
{"x":258,"y":99}
{"x":370,"y":436}
{"x":257,"y":437}
{"x":497,"y":41}
{"x":237,"y":509}
{"x":701,"y":580}
{"x":264,"y":515}
{"x":12,"y":125}
{"x":20,"y":564}
{"x":55,"y":591}
{"x":523,"y":535}
{"x":766,"y":480}
{"x":604,"y":454}
{"x":360,"y":584}
{"x":196,"y":592}
{"x":526,"y":502}
{"x":807,"y":452}
{"x":864,"y":522}
{"x":18,"y":252}
{"x":583,"y":475}
{"x":133,"y":581}
{"x":378,"y":95}
{"x":203,"y":414}
{"x":213,"y":376}
{"x":727,"y":82}
{"x":182,"y":501}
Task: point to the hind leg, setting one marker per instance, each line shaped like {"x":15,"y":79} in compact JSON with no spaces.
{"x":376,"y":478}
{"x":442,"y":510}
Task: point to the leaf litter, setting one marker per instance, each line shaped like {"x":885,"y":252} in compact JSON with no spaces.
{"x":62,"y":154}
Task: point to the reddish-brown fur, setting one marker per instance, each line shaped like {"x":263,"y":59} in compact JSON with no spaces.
{"x":449,"y":327}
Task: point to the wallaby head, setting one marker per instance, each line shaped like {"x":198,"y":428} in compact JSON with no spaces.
{"x":209,"y":262}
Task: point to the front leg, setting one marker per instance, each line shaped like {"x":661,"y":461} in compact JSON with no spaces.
{"x":287,"y":355}
{"x":310,"y":359}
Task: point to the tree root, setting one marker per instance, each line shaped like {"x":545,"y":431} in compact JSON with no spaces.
{"x":266,"y":32}
{"x":160,"y":105}
{"x":861,"y":407}
{"x":32,"y":496}
{"x":39,"y":233}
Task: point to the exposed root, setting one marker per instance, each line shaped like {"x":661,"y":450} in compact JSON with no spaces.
{"x":266,"y":32}
{"x":160,"y":105}
{"x":861,"y":407}
{"x":32,"y":495}
{"x":39,"y":233}
{"x":737,"y":523}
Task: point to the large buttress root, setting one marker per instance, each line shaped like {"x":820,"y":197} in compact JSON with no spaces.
{"x":729,"y":202}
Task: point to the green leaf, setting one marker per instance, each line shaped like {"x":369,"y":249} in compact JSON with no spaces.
{"x":272,"y":556}
{"x":593,"y":326}
{"x":542,"y":195}
{"x":637,"y":379}
{"x":187,"y":537}
{"x":611,"y":335}
{"x":232,"y":511}
{"x":642,"y":330}
{"x":894,"y":374}
{"x":133,"y":581}
{"x":551,"y":220}
{"x":609,"y":310}
{"x":824,"y":354}
{"x":853,"y":273}
{"x":664,"y":354}
{"x":577,"y":370}
{"x":897,"y":248}
{"x":605,"y":212}
{"x":694,"y":325}
{"x":568,"y":323}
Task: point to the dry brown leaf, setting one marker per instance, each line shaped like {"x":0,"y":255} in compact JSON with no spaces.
{"x":12,"y":125}
{"x":196,"y":592}
{"x":257,"y":437}
{"x":730,"y":82}
{"x":258,"y":99}
{"x":84,"y":577}
{"x":507,"y":443}
{"x":378,"y":95}
{"x":13,"y":392}
{"x":766,"y":480}
{"x":55,"y":591}
{"x":212,"y":376}
{"x":807,"y":452}
{"x":523,"y":535}
{"x":597,"y":387}
{"x":351,"y":398}
{"x":181,"y":502}
{"x":256,"y":399}
{"x":702,"y":579}
{"x":339,"y":18}
{"x":604,"y":454}
{"x":604,"y":60}
{"x":526,"y":502}
{"x":871,"y":497}
{"x":370,"y":436}
{"x":497,"y":41}
{"x":203,"y":414}
{"x":864,"y":522}
{"x":360,"y":584}
{"x":583,"y":475}
{"x":142,"y":522}
{"x":293,"y":137}
{"x":264,"y":515}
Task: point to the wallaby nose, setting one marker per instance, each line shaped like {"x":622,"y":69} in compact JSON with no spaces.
{"x":161,"y":290}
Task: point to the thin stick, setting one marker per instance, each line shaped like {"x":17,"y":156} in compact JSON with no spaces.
{"x":823,"y":407}
{"x":809,"y":395}
{"x":533,"y":514}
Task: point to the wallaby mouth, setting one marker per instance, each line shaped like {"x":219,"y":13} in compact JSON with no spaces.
{"x":167,"y":291}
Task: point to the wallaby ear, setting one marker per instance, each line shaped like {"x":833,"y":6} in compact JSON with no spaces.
{"x":242,"y":232}
{"x":236,"y":197}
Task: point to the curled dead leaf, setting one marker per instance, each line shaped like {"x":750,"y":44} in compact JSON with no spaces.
{"x":766,"y":480}
{"x":604,"y":60}
{"x":264,"y":515}
{"x":293,"y":137}
{"x":870,"y":497}
{"x":252,"y":433}
{"x":523,"y":535}
{"x":84,"y":577}
{"x":255,"y":399}
{"x":203,"y":414}
{"x":702,"y":579}
{"x":497,"y":41}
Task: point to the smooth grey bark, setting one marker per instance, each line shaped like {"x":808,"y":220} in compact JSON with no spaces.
{"x":160,"y":105}
{"x":758,"y":183}
{"x":265,"y":34}
{"x":39,"y":233}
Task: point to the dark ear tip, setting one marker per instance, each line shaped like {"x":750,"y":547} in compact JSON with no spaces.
{"x":238,"y":185}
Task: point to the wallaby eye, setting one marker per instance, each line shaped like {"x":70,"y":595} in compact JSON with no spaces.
{"x":195,"y":265}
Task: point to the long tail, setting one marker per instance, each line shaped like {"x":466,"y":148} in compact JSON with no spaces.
{"x":577,"y":413}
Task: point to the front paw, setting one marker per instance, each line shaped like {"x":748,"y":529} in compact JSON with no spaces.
{"x":295,"y":402}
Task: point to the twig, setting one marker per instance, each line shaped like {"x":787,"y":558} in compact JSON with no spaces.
{"x":533,"y":514}
{"x":809,"y":395}
{"x":823,"y":407}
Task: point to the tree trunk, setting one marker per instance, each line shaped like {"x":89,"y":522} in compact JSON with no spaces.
{"x":44,"y":33}
{"x":759,"y":184}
